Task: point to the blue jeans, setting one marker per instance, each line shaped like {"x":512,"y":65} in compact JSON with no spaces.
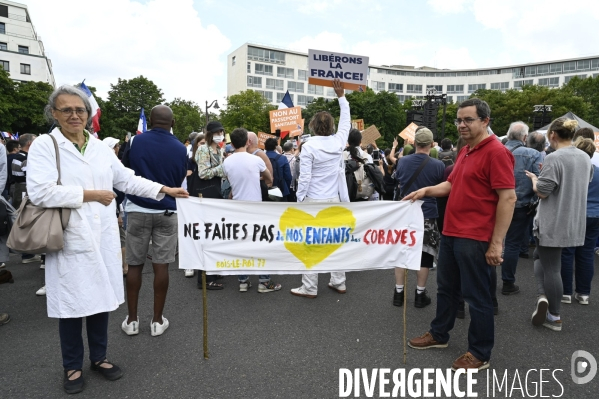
{"x":261,"y":278}
{"x":71,"y":340}
{"x":585,"y":261}
{"x":462,"y":264}
{"x":514,"y":238}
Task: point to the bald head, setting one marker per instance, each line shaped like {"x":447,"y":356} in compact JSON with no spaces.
{"x":161,"y":116}
{"x":252,"y":140}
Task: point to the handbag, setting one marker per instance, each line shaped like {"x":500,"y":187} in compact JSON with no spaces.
{"x":39,"y":230}
{"x":205,"y":188}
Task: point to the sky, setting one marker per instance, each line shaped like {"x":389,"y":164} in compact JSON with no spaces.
{"x":182,"y":45}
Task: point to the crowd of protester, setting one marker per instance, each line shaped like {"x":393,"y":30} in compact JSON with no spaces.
{"x":482,"y":201}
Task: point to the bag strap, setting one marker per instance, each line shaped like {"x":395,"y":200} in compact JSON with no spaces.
{"x":516,"y":147}
{"x":57,"y":158}
{"x":415,"y":175}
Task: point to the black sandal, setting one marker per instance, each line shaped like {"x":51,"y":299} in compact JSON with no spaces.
{"x":213,"y":285}
{"x":73,"y":386}
{"x":111,"y":374}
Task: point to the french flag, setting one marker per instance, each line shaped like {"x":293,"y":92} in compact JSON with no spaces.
{"x":7,"y":135}
{"x":285,"y":103}
{"x":142,"y":125}
{"x":96,"y":112}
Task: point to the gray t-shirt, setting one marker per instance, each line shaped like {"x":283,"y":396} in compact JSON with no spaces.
{"x":561,"y":217}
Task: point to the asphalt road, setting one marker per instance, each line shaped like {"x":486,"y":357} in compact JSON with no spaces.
{"x":277,"y":345}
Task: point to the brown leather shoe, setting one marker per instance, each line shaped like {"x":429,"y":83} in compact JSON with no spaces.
{"x":425,"y":341}
{"x":468,"y":361}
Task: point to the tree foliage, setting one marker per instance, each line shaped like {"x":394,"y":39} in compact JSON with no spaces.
{"x":247,"y":109}
{"x":188,"y":117}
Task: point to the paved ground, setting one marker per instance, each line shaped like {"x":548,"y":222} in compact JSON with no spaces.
{"x":280,"y":346}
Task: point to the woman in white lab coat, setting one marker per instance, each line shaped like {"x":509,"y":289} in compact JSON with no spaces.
{"x":85,"y":278}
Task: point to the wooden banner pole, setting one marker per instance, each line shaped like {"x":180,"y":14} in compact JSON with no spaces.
{"x":405,"y":307}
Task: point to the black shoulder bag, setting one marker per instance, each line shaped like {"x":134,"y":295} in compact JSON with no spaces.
{"x":405,"y":188}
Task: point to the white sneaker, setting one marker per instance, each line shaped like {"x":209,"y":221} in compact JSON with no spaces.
{"x":36,"y":258}
{"x":131,"y":328}
{"x":582,"y":299}
{"x":339,"y":288}
{"x":244,"y":285}
{"x":301,"y":291}
{"x":158,"y":329}
{"x":540,"y":314}
{"x":269,"y":286}
{"x":189,"y":272}
{"x":566,"y":298}
{"x":41,"y":291}
{"x":2,"y":265}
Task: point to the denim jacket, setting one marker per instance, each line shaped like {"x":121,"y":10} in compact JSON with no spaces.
{"x":593,"y":195}
{"x":526,"y":159}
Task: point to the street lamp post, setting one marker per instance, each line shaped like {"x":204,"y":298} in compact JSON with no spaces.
{"x":212,"y":104}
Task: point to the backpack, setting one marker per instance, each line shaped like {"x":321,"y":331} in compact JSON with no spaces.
{"x":355,"y":176}
{"x":446,"y":158}
{"x":376,"y":177}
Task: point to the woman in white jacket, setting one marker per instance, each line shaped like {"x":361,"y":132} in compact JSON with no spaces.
{"x":322,"y":176}
{"x":85,"y":278}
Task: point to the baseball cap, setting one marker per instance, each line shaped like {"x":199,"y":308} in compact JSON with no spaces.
{"x":423,"y":137}
{"x":229,"y":148}
{"x":214,"y":126}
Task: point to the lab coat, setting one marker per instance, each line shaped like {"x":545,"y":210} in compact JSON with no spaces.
{"x":85,"y":278}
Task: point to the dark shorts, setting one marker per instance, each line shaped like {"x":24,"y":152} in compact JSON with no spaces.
{"x":143,"y":227}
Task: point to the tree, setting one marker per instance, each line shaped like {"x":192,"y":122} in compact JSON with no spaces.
{"x":588,"y":90}
{"x":188,"y":118}
{"x":125,"y":101}
{"x":30,"y":98}
{"x":249,"y":110}
{"x":7,"y":90}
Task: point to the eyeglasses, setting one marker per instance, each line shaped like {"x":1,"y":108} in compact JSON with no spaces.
{"x":69,"y":111}
{"x":467,"y":121}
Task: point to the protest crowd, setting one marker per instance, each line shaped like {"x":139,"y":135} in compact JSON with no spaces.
{"x":485,"y":203}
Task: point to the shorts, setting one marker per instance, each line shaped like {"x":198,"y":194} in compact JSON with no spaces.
{"x":430,"y":243}
{"x":122,"y":235}
{"x":161,"y":229}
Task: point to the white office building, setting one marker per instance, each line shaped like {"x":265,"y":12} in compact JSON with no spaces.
{"x":21,"y":49}
{"x":272,"y":71}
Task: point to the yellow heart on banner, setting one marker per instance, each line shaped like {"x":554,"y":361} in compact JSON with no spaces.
{"x":312,"y":239}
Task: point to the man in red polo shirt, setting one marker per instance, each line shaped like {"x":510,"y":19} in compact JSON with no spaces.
{"x":478,"y":214}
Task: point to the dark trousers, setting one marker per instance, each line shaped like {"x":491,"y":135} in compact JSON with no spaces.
{"x":71,"y":339}
{"x":462,"y":265}
{"x":584,"y":257}
{"x":516,"y":234}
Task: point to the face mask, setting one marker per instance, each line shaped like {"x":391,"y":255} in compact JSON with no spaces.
{"x":218,"y":139}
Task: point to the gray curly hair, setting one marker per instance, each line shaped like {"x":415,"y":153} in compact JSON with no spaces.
{"x":71,"y":90}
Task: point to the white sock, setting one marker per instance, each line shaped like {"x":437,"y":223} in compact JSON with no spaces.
{"x":551,"y":317}
{"x":420,"y":289}
{"x":398,"y":288}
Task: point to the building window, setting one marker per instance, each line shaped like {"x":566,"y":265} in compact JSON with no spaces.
{"x":555,"y":68}
{"x":261,"y":69}
{"x":500,"y":86}
{"x":530,"y":71}
{"x":285,"y":73}
{"x":233,"y":61}
{"x":542,"y":69}
{"x":281,"y":95}
{"x":302,"y":75}
{"x":331,"y":93}
{"x":297,"y":87}
{"x":26,"y":69}
{"x":2,"y":28}
{"x":569,"y":66}
{"x":4,"y":65}
{"x":249,"y":69}
{"x":260,"y":54}
{"x":549,"y":82}
{"x":450,"y":99}
{"x":583,"y":65}
{"x":519,"y":83}
{"x":254,"y":81}
{"x":595,"y":63}
{"x":304,"y":100}
{"x":439,"y":88}
{"x":395,"y":87}
{"x":455,"y":88}
{"x":23,"y":49}
{"x":318,"y":90}
{"x":568,"y":78}
{"x":275,"y":84}
{"x":461,"y":99}
{"x":414,"y":89}
{"x":3,"y":46}
{"x":473,"y":88}
{"x":378,"y":86}
{"x":266,"y":94}
{"x":4,"y":11}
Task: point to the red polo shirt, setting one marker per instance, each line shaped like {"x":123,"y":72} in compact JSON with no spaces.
{"x":473,"y":200}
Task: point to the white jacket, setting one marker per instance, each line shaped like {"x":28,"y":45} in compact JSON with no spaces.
{"x":86,"y":277}
{"x":322,"y":171}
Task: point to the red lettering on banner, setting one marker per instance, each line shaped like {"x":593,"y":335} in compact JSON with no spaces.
{"x":393,"y":237}
{"x":366,"y":237}
{"x":404,"y":234}
{"x":390,"y":239}
{"x":381,"y":236}
{"x":412,"y":236}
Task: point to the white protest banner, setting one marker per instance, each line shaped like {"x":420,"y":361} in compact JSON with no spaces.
{"x":238,"y":237}
{"x":324,"y":66}
{"x":286,"y":119}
